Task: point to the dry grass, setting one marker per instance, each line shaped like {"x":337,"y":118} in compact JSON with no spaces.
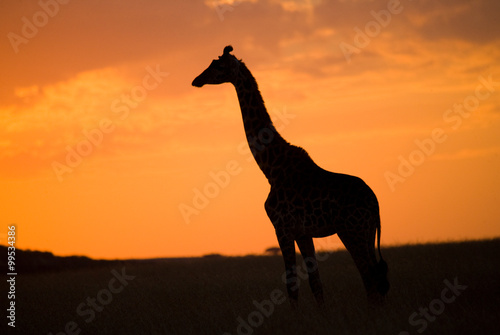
{"x":213,"y":295}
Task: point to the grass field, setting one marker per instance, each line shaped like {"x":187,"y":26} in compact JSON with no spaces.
{"x":435,"y":289}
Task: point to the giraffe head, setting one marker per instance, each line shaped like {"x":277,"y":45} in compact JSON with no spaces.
{"x":222,"y":70}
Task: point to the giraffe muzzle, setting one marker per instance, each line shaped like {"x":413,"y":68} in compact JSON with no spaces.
{"x":197,"y":82}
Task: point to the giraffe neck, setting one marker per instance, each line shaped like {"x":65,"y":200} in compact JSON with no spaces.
{"x":266,"y":144}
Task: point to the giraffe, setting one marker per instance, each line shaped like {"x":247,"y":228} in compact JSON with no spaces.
{"x":305,"y":201}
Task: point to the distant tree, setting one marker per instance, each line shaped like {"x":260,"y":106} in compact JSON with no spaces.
{"x":273,"y":251}
{"x":214,"y":255}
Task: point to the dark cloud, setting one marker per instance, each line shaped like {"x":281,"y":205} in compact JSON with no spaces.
{"x":472,"y":21}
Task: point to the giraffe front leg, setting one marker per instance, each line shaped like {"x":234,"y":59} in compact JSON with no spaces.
{"x":287,"y":247}
{"x":306,"y":246}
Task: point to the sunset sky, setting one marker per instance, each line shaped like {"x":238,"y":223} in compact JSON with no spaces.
{"x":106,"y":149}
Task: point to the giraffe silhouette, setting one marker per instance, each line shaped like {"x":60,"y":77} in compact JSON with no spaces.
{"x":305,"y":200}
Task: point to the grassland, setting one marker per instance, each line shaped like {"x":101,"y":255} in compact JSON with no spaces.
{"x":435,"y":289}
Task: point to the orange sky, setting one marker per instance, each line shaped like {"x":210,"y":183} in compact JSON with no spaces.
{"x":104,"y":140}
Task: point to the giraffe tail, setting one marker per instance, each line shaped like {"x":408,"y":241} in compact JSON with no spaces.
{"x":381,"y":268}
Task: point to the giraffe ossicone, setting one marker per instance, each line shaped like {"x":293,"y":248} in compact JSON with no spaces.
{"x":305,"y":201}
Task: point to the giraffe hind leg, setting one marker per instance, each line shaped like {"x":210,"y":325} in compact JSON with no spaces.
{"x":363,"y":254}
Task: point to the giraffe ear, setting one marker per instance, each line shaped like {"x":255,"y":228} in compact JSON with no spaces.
{"x":227,"y":50}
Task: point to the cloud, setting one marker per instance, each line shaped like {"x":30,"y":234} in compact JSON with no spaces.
{"x":50,"y":109}
{"x":49,"y":118}
{"x":473,"y":21}
{"x":91,"y":35}
{"x":95,"y":34}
